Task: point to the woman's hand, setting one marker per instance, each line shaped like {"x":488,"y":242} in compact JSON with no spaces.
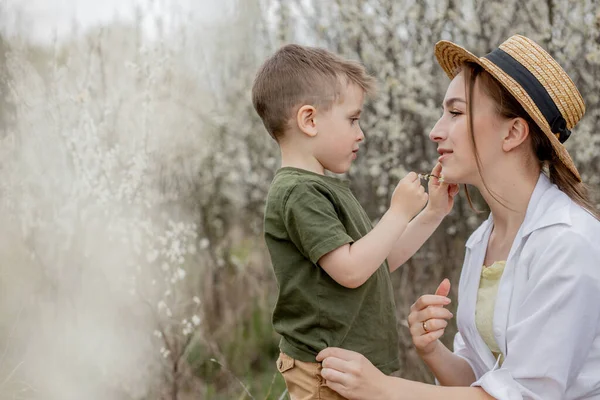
{"x":441,"y":194}
{"x":352,"y":375}
{"x":427,"y":320}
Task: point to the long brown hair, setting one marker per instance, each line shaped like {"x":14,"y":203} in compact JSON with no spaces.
{"x":508,"y":107}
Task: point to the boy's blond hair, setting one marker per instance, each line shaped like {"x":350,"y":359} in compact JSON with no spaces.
{"x":297,"y":75}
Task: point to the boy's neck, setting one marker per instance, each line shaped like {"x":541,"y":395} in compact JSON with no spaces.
{"x":291,"y":157}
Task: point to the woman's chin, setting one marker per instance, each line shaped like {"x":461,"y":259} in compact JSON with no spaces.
{"x":449,"y":177}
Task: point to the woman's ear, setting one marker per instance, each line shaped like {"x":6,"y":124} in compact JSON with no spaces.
{"x":305,"y":118}
{"x":518,"y":131}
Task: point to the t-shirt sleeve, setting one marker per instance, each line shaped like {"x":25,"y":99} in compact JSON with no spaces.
{"x":312,"y":221}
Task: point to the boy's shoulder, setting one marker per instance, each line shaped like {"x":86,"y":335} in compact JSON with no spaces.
{"x":287,"y":180}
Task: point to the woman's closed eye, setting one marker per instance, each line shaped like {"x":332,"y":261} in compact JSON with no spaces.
{"x":453,"y":112}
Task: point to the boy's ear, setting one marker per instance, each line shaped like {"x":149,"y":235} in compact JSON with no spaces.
{"x":518,"y":131}
{"x":305,"y":118}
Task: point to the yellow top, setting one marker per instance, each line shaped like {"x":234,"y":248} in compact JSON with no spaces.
{"x":486,"y":300}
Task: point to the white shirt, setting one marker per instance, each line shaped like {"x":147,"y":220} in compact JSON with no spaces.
{"x":547,"y":315}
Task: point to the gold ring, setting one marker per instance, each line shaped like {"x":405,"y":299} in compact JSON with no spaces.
{"x":425,"y":327}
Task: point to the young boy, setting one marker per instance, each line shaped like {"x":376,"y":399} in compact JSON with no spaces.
{"x":332,"y":266}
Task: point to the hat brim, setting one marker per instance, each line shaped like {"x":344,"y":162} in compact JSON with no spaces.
{"x":451,"y":56}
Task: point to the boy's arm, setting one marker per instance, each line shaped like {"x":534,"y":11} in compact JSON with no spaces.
{"x":413,"y":237}
{"x":352,"y":264}
{"x":441,"y":200}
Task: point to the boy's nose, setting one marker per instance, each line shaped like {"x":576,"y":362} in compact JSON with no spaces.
{"x":361,"y":136}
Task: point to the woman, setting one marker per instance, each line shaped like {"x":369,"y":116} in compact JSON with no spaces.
{"x":529,"y":293}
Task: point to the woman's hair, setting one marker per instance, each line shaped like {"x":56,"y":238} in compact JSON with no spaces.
{"x":508,"y":107}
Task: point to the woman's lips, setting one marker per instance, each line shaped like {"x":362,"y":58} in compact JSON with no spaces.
{"x":444,"y":154}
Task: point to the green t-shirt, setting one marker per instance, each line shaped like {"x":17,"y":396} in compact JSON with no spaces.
{"x":307,"y":215}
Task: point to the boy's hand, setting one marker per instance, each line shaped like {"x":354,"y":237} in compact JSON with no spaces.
{"x":441,"y":194}
{"x":409,"y":197}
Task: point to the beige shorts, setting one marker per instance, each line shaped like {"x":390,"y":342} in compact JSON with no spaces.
{"x":304,"y":381}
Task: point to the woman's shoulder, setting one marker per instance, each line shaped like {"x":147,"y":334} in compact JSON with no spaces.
{"x":577,"y":226}
{"x":573,"y":244}
{"x":584,"y":222}
{"x":575,"y":222}
{"x":555,"y":213}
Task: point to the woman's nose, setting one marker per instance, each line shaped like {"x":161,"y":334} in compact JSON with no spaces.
{"x":438,"y":133}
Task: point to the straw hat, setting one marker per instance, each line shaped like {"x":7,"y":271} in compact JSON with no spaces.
{"x":534,"y":78}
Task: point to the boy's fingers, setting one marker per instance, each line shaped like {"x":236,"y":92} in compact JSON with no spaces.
{"x":437,"y":173}
{"x":412,"y":176}
{"x":453,"y":189}
{"x":437,"y":170}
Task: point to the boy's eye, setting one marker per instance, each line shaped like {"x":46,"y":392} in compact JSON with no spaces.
{"x":353,"y":120}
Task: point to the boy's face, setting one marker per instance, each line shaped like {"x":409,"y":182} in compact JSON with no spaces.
{"x":338,"y":131}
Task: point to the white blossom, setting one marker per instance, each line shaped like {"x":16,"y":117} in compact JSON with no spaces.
{"x":196,"y":320}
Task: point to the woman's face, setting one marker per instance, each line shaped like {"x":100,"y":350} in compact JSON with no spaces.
{"x":451,"y":133}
